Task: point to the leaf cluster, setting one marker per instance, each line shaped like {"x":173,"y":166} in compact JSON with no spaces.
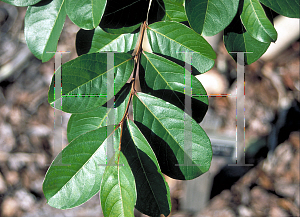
{"x":153,"y":77}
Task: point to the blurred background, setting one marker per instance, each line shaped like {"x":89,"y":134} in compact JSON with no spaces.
{"x":272,"y":130}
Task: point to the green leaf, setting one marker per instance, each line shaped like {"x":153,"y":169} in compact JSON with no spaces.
{"x":21,"y":3}
{"x":209,"y":17}
{"x":173,"y":39}
{"x":174,"y":10}
{"x":85,"y":13}
{"x":288,"y":8}
{"x":75,"y":174}
{"x":237,"y":39}
{"x":162,"y":75}
{"x":92,"y":41}
{"x":81,"y":123}
{"x":84,"y":81}
{"x":163,"y":125}
{"x":153,"y":194}
{"x":118,"y":193}
{"x":256,"y":22}
{"x":43,"y":25}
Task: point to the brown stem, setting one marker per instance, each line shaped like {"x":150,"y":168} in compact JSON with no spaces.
{"x":135,"y":85}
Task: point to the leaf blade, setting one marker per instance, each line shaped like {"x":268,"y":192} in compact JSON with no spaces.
{"x":39,"y":37}
{"x":84,"y":81}
{"x":81,"y":123}
{"x":122,"y":43}
{"x":85,"y":13}
{"x":66,"y":184}
{"x":117,"y":192}
{"x":237,"y":39}
{"x":153,"y":194}
{"x":174,"y":11}
{"x":256,"y":22}
{"x":166,"y":80}
{"x":209,"y":17}
{"x":163,"y":125}
{"x":288,"y":8}
{"x":173,"y":39}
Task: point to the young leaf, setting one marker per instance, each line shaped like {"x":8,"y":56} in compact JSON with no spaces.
{"x":162,"y":75}
{"x":85,"y":13}
{"x":153,"y":194}
{"x":43,"y":25}
{"x":21,"y":3}
{"x":81,"y":123}
{"x":173,"y":39}
{"x":256,"y":22}
{"x":237,"y":39}
{"x":209,"y":17}
{"x":288,"y":8}
{"x":117,"y":192}
{"x":98,"y":40}
{"x":163,"y":124}
{"x":84,"y":81}
{"x":174,"y":10}
{"x":75,"y":174}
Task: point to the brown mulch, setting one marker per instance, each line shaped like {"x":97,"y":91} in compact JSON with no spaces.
{"x":269,"y":189}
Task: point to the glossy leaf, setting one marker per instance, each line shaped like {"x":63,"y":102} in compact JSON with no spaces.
{"x":81,"y":123}
{"x":166,"y":80}
{"x":174,"y":10}
{"x":163,"y":125}
{"x":84,"y":81}
{"x":43,"y":25}
{"x":256,"y":22}
{"x":161,"y":73}
{"x":288,"y":8}
{"x":75,"y":174}
{"x":118,"y":193}
{"x":153,"y":194}
{"x":173,"y":39}
{"x":85,"y":13}
{"x":21,"y":3}
{"x":92,"y":41}
{"x":209,"y":17}
{"x":237,"y":39}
